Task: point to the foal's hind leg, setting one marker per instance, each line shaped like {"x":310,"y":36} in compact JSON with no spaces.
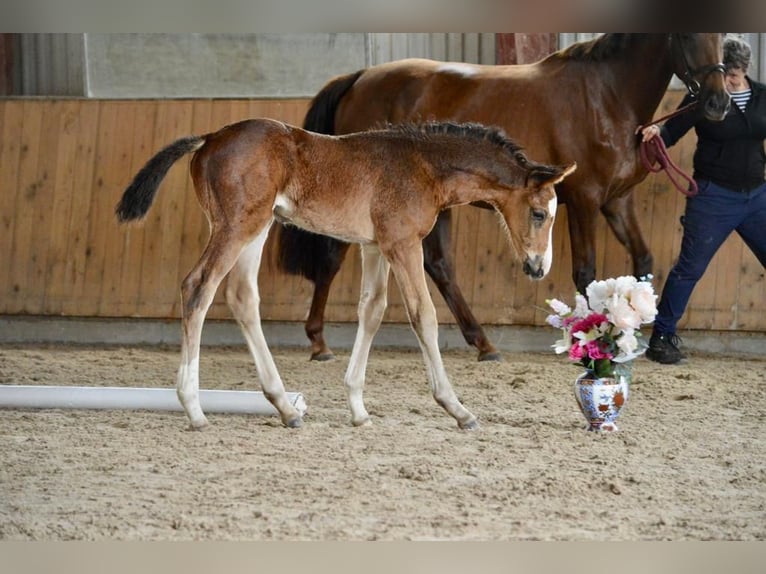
{"x":407,"y":264}
{"x":197,"y":292}
{"x":372,"y":306}
{"x":244,"y":300}
{"x":438,"y":263}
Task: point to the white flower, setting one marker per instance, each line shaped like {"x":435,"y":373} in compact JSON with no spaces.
{"x":597,"y":293}
{"x":622,"y":314}
{"x":555,"y":321}
{"x":627,"y":342}
{"x":562,"y":345}
{"x":581,"y":306}
{"x":644,"y":301}
{"x":559,"y":307}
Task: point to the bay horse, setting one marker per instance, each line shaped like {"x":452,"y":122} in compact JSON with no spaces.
{"x":582,"y":103}
{"x":382,"y":189}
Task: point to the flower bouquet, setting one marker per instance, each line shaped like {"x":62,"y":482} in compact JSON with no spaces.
{"x":602,"y":334}
{"x":602,"y":331}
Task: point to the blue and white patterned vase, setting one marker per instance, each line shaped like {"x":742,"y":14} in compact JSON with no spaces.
{"x":602,"y":399}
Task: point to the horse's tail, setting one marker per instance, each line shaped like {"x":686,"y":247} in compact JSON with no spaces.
{"x":301,"y":252}
{"x":139,"y":195}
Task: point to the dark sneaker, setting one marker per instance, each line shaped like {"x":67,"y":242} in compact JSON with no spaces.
{"x":663,"y":348}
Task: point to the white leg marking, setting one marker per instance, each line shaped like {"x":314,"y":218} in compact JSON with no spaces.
{"x":372,"y":306}
{"x":244,"y":299}
{"x":422,"y":313}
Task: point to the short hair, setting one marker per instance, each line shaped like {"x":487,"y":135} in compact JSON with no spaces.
{"x":736,"y":53}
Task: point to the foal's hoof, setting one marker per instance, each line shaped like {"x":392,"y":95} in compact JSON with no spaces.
{"x":294,"y":423}
{"x":365,"y":422}
{"x":322,"y":356}
{"x":199,"y":426}
{"x":473,"y":424}
{"x":491,"y":356}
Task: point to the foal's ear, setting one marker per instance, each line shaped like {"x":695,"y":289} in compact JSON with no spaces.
{"x":550,"y":175}
{"x":563,"y":172}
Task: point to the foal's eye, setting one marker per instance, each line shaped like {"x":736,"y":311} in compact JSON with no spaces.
{"x":538,"y":215}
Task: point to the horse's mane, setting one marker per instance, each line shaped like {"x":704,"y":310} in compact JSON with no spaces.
{"x":599,"y":49}
{"x":480,"y":132}
{"x":476,"y":131}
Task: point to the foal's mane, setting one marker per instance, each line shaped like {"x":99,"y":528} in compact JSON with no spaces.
{"x":480,"y":132}
{"x":599,"y":49}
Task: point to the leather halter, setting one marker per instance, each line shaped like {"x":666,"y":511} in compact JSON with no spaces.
{"x":689,"y":75}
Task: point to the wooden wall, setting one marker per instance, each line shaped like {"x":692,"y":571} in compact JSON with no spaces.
{"x":64,"y":164}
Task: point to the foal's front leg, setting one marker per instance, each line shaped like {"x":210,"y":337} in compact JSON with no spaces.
{"x":244,"y":300}
{"x":372,"y":306}
{"x":407,"y":264}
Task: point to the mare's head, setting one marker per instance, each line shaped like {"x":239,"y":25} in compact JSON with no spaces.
{"x":698,"y":62}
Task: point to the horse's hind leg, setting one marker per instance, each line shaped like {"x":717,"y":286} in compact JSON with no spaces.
{"x":244,"y":300}
{"x":315,"y":322}
{"x":438,"y":264}
{"x":197,"y":292}
{"x":620,"y":213}
{"x":407,"y":264}
{"x":372,"y":306}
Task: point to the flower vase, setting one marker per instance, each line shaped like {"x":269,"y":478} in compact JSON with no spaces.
{"x":602,"y":398}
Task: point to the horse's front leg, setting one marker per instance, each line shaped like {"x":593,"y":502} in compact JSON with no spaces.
{"x":372,"y":305}
{"x":620,"y":213}
{"x":244,"y":300}
{"x":582,"y":236}
{"x":407,"y":264}
{"x":314,"y":326}
{"x":438,"y":265}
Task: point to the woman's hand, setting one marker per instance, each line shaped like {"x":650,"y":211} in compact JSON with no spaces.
{"x":649,"y":132}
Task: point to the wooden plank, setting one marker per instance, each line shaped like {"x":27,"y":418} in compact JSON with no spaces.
{"x":140,"y":132}
{"x":159,"y":291}
{"x":56,"y":286}
{"x":109,"y":153}
{"x":89,"y":116}
{"x":27,"y":203}
{"x":10,"y":158}
{"x":751,"y":290}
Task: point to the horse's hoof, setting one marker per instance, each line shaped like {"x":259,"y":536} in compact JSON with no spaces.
{"x":200,"y":426}
{"x":493,"y":356}
{"x":366,"y":422}
{"x":294,"y":423}
{"x":473,"y":424}
{"x":322,"y":357}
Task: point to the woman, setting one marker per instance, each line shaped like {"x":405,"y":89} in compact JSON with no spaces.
{"x":729,"y":163}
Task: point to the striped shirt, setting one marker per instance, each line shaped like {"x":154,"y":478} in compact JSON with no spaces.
{"x":741,"y":98}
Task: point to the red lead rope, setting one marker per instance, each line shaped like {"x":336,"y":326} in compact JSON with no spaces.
{"x":654,"y":151}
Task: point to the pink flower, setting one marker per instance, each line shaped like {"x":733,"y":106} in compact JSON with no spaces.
{"x":597,"y":350}
{"x":576,"y":352}
{"x":591,"y":321}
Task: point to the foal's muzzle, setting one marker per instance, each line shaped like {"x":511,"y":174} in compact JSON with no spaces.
{"x":533,"y":266}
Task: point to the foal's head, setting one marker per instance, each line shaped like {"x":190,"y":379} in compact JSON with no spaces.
{"x":523,"y":192}
{"x":529,"y":217}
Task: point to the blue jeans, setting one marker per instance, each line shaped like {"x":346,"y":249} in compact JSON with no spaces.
{"x":710,"y":217}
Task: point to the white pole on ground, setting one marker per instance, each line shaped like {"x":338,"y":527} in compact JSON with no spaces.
{"x":136,"y":398}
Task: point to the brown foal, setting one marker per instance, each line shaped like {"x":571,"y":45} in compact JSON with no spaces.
{"x":381,"y":189}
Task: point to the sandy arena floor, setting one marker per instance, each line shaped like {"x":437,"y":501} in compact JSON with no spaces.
{"x":689,"y":462}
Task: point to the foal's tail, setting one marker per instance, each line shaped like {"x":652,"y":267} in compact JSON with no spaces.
{"x":301,"y":252}
{"x":139,"y":195}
